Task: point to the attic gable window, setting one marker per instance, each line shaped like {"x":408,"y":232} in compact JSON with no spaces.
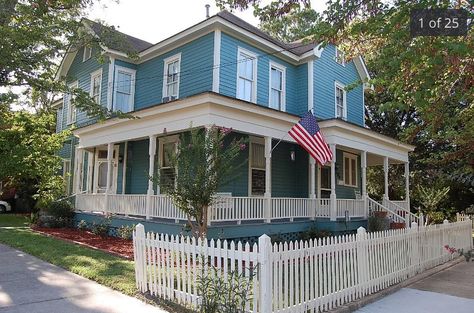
{"x":87,"y":53}
{"x":171,"y":78}
{"x":246,"y":75}
{"x":340,"y":57}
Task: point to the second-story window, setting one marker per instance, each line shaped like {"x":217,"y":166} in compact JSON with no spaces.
{"x":68,"y":104}
{"x":124,"y":89}
{"x":340,"y":57}
{"x":171,"y":78}
{"x":87,"y":54}
{"x":341,"y":109}
{"x":277,"y":86}
{"x":96,"y":82}
{"x":246,"y":75}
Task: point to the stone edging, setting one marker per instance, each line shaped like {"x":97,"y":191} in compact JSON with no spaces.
{"x":355,"y":305}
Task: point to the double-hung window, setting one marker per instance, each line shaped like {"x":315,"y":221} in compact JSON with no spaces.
{"x":340,"y":98}
{"x":96,"y":85}
{"x":277,"y":86}
{"x":257,"y":167}
{"x":124,"y":89}
{"x":68,"y":104}
{"x":246,"y":75}
{"x":350,"y":169}
{"x":171,"y":78}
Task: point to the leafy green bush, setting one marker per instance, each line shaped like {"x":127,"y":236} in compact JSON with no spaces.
{"x":313,"y":233}
{"x":57,"y":214}
{"x":376,"y":223}
{"x":103,"y":228}
{"x":125,"y":231}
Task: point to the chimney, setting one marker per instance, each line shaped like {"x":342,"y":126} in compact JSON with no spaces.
{"x":207,"y":10}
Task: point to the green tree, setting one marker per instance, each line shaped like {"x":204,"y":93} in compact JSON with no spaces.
{"x":204,"y":161}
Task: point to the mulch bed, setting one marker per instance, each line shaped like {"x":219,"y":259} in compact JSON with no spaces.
{"x":113,"y":245}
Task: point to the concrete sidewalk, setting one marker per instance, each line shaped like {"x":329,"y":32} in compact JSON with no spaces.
{"x":451,"y":290}
{"x":29,"y":285}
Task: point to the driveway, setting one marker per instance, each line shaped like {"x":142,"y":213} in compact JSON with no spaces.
{"x":451,"y":290}
{"x":29,"y":285}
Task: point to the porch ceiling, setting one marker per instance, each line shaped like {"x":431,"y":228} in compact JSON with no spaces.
{"x":213,"y":109}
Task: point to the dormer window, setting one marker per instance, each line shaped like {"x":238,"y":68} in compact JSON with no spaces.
{"x":171,"y":78}
{"x":340,"y":57}
{"x":341,"y":102}
{"x":87,"y":53}
{"x":246,"y":76}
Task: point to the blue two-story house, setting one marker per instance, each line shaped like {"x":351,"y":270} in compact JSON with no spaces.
{"x":226,"y":72}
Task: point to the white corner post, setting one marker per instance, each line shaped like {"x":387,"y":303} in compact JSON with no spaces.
{"x":140,"y":258}
{"x":151,"y":173}
{"x":333,"y":208}
{"x":79,"y":167}
{"x":385,"y":175}
{"x":217,"y":61}
{"x":268,"y":179}
{"x":310,"y":85}
{"x":312,"y":186}
{"x":90,"y":171}
{"x":318,"y":184}
{"x":265,"y":272}
{"x":363,"y":165}
{"x":407,"y":185}
{"x":110,"y":155}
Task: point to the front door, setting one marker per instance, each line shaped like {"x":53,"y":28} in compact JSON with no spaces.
{"x":101,"y":169}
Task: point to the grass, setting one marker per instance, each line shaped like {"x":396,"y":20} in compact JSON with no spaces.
{"x":104,"y":268}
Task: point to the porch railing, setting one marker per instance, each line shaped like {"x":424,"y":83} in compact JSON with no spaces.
{"x":375,"y":206}
{"x":225,"y":209}
{"x":401,"y":208}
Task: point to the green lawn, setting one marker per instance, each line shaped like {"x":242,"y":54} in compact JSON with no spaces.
{"x":101,"y":267}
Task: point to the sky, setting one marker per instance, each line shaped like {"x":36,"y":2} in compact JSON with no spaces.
{"x":155,"y":20}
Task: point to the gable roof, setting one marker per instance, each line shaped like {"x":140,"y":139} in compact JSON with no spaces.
{"x":296,"y":47}
{"x":118,"y":41}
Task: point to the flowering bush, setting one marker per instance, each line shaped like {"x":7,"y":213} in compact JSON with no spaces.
{"x":468,"y":255}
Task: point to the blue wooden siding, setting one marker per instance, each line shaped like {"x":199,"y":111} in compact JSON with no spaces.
{"x":81,"y":72}
{"x":326,"y":72}
{"x":296,"y":76}
{"x":197,"y":59}
{"x":289,"y":178}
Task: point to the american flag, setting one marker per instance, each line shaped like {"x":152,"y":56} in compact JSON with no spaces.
{"x":307,"y":134}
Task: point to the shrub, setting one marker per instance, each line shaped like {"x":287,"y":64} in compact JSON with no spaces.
{"x":82,"y":225}
{"x":313,"y":233}
{"x":57,"y":214}
{"x":376,"y":223}
{"x":126,"y":231}
{"x":103,"y":228}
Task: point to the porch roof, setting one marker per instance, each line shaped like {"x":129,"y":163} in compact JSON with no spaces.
{"x":210,"y":108}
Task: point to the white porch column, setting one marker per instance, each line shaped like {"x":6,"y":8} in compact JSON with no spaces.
{"x":318,"y":191}
{"x":151,"y":173}
{"x":363,"y":165}
{"x":79,"y":167}
{"x":385,"y":173}
{"x":407,"y":184}
{"x":110,"y":155}
{"x":312,"y":186}
{"x":333,"y":211}
{"x":268,"y":179}
{"x":90,"y":169}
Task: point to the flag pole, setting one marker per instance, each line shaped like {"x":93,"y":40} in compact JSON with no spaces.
{"x":278,"y":143}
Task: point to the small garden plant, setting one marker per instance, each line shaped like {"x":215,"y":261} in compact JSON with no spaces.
{"x":102,"y":228}
{"x":126,"y":231}
{"x":468,"y":255}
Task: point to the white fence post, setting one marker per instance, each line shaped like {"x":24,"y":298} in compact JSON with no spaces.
{"x":265,"y":272}
{"x":362,"y":262}
{"x":416,"y":248}
{"x":139,"y":241}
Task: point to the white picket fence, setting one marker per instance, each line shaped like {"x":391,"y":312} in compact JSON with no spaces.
{"x":310,"y":276}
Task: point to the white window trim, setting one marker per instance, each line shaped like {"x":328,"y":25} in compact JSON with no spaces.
{"x":343,"y":87}
{"x":94,"y":75}
{"x":253,"y":97}
{"x":166,"y":61}
{"x":260,"y":141}
{"x":85,"y":56}
{"x":132,"y":88}
{"x":71,"y":118}
{"x":343,"y":63}
{"x":283,"y":85}
{"x":352,"y":157}
{"x":161,"y":142}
